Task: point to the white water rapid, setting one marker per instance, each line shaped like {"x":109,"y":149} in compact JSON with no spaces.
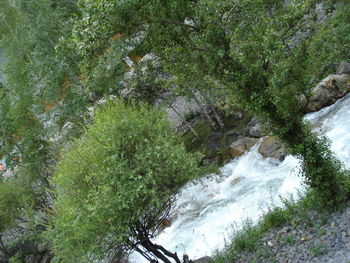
{"x":248,"y":185}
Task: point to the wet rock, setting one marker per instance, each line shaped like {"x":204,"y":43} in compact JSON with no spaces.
{"x":328,"y":91}
{"x":242,"y":145}
{"x":272,"y":148}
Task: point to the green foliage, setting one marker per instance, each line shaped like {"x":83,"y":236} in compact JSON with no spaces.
{"x":247,"y":239}
{"x":13,"y":199}
{"x":8,"y":18}
{"x":126,"y":165}
{"x":289,"y":239}
{"x":274,"y":218}
{"x":203,"y":129}
{"x":64,"y":55}
{"x":36,"y":82}
{"x":261,"y":51}
{"x":319,"y":250}
{"x":330,"y":44}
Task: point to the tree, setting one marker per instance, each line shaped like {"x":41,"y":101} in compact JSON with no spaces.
{"x":116,"y":184}
{"x":256,"y":49}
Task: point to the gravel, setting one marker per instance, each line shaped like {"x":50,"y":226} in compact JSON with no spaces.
{"x":320,"y":238}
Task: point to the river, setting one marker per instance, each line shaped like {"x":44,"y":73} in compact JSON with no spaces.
{"x":211,"y":208}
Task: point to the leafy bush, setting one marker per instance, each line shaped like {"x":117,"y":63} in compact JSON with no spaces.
{"x":116,"y":180}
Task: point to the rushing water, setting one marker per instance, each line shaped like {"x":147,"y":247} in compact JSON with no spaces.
{"x":211,"y":208}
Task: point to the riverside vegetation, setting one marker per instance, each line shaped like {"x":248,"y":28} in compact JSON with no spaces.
{"x":92,"y":183}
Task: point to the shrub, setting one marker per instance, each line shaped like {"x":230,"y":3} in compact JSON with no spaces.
{"x":116,"y":183}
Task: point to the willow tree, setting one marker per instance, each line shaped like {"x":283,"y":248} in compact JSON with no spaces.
{"x":256,"y":49}
{"x":116,"y":184}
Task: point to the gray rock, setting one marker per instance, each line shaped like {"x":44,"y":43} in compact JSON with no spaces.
{"x":343,"y":68}
{"x":254,"y":121}
{"x":254,"y":129}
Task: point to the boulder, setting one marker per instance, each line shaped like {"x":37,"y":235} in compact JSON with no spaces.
{"x":242,"y":145}
{"x":254,"y":129}
{"x":272,"y":148}
{"x":328,"y":91}
{"x":254,"y":121}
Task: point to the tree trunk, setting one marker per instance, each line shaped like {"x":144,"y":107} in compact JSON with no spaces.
{"x":159,"y":251}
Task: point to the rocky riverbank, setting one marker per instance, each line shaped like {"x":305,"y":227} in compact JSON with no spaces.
{"x":242,"y":130}
{"x":315,"y":237}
